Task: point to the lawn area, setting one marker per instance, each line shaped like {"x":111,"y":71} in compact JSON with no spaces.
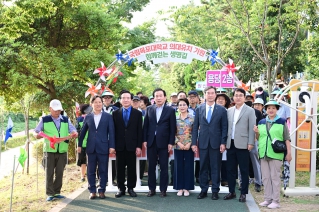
{"x":20,"y":126}
{"x":29,"y":190}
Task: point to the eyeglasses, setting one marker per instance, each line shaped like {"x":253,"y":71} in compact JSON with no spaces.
{"x":239,"y":96}
{"x":107,"y":97}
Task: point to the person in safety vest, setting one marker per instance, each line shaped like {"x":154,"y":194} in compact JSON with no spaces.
{"x":55,"y":126}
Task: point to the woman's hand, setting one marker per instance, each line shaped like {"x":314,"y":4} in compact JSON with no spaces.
{"x":288,"y":157}
{"x":187,"y":146}
{"x":181,"y":146}
{"x":256,"y":129}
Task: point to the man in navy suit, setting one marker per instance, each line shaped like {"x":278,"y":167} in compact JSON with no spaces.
{"x":159,"y":137}
{"x":212,"y":124}
{"x":100,"y":142}
{"x":128,"y":142}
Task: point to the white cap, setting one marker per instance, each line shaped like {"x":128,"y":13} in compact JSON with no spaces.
{"x":56,"y":105}
{"x":259,"y":101}
{"x":173,"y":94}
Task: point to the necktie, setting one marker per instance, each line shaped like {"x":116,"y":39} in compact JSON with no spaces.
{"x":209,"y":114}
{"x":125,"y":116}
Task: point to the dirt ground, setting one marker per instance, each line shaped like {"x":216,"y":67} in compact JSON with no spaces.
{"x":301,"y":203}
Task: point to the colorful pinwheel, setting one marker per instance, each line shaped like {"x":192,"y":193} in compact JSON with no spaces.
{"x":213,"y":56}
{"x":93,"y":90}
{"x":101,"y":71}
{"x":231,"y":68}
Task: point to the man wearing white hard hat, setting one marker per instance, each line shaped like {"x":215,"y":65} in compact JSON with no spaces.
{"x":55,"y":158}
{"x":107,"y":97}
{"x":258,"y":104}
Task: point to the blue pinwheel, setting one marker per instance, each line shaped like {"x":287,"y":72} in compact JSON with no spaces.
{"x":213,"y":56}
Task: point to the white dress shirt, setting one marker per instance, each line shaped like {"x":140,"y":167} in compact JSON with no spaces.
{"x":97,"y":118}
{"x":236,"y":115}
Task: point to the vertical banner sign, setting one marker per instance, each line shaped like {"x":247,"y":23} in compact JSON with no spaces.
{"x":303,"y":141}
{"x":219,"y":79}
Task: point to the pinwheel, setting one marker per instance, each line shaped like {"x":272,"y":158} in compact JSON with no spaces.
{"x":53,"y":140}
{"x":213,"y":56}
{"x":93,"y":90}
{"x":231,"y":68}
{"x":101,"y":71}
{"x":128,"y":59}
{"x":244,"y":86}
{"x":119,"y":57}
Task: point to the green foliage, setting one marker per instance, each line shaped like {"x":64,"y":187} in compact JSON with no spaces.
{"x":52,"y":47}
{"x":16,"y":142}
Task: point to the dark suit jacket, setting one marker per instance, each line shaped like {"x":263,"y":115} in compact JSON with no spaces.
{"x":214,"y":132}
{"x":165,"y":128}
{"x":129,"y":137}
{"x":100,"y":139}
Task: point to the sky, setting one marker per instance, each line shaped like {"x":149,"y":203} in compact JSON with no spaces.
{"x":150,"y":11}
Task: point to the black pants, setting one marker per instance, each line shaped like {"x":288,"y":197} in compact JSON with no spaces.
{"x":126,"y":159}
{"x":237,"y":157}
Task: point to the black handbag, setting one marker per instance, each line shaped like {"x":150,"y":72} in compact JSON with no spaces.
{"x":277,"y":145}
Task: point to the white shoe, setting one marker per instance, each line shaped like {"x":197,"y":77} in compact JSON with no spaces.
{"x":186,"y":193}
{"x":273,"y":205}
{"x":264,"y":203}
{"x":180,"y":193}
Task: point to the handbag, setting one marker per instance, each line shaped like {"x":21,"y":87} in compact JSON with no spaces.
{"x":277,"y":145}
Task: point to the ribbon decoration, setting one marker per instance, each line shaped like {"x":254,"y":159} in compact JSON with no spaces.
{"x":53,"y":140}
{"x":93,"y":90}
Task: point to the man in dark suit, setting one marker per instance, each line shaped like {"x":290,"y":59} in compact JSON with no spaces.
{"x":100,"y":143}
{"x":159,"y":137}
{"x":128,"y":142}
{"x":211,"y":119}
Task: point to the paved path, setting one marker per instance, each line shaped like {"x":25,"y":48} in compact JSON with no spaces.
{"x":79,"y":201}
{"x":7,"y":158}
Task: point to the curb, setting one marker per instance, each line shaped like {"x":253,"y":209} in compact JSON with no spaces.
{"x":62,"y":204}
{"x":251,"y":203}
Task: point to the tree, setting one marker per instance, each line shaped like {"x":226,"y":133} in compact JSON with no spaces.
{"x":54,"y":46}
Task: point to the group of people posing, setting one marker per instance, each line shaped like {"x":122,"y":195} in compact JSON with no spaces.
{"x":213,"y":128}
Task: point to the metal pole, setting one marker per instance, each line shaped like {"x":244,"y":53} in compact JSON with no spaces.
{"x":12,"y":181}
{"x":0,"y":141}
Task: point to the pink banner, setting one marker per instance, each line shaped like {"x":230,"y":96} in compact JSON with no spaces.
{"x":219,"y":78}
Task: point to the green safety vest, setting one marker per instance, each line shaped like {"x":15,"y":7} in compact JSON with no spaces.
{"x":86,"y":136}
{"x":51,"y":130}
{"x":264,"y":142}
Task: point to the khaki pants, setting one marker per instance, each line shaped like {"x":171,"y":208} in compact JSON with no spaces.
{"x":270,"y":171}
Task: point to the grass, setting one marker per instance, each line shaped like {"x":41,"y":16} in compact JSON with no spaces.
{"x":28,"y":195}
{"x":298,"y":203}
{"x":20,"y":126}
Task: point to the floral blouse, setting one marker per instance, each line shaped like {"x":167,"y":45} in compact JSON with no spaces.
{"x":184,"y":130}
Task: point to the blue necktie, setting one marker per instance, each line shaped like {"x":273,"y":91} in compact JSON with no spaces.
{"x":209,"y":114}
{"x":125,"y":116}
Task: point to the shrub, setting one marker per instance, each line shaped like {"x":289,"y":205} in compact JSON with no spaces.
{"x":16,"y":141}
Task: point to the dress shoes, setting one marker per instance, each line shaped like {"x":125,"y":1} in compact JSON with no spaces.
{"x":230,"y":196}
{"x":163,"y":194}
{"x":202,"y":195}
{"x":101,"y":195}
{"x":151,"y":193}
{"x":131,"y":193}
{"x":119,"y":194}
{"x":257,"y":188}
{"x":242,"y":198}
{"x":215,"y":196}
{"x":92,"y":196}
